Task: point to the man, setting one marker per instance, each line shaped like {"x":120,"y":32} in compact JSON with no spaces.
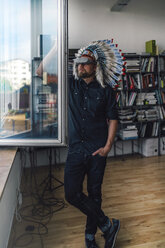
{"x":92,"y":127}
{"x":92,"y":118}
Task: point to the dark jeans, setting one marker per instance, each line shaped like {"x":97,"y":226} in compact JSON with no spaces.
{"x":77,"y":165}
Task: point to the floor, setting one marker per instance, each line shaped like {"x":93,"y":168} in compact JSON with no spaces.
{"x":133,"y":191}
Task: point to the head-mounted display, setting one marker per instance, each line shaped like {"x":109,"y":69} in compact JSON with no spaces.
{"x":83,"y":60}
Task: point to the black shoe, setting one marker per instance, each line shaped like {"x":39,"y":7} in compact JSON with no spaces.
{"x":90,"y":243}
{"x":111,"y":235}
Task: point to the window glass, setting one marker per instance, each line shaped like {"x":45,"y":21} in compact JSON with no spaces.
{"x":14,"y":61}
{"x":29,"y":92}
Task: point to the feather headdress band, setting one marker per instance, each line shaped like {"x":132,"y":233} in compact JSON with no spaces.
{"x":108,"y":58}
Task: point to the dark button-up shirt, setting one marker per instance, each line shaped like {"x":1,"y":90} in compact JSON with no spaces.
{"x":90,"y":106}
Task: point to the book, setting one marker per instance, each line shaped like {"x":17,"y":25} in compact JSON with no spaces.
{"x":144,"y":64}
{"x":151,"y":47}
{"x":162,"y":63}
{"x":129,"y":138}
{"x":128,"y":133}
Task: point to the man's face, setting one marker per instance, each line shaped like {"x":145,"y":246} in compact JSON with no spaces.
{"x":86,"y":70}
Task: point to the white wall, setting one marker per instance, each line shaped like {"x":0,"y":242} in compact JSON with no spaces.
{"x":8,"y":202}
{"x":138,"y":22}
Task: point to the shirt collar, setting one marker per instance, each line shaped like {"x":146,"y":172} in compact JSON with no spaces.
{"x":93,"y":83}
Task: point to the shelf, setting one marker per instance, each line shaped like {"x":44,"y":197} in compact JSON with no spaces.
{"x":131,"y":55}
{"x":137,"y":122}
{"x":148,"y":56}
{"x":147,"y":121}
{"x":128,"y":139}
{"x":138,"y":138}
{"x":149,"y":89}
{"x":137,"y":106}
{"x":128,"y":124}
{"x":148,"y":73}
{"x":132,"y":72}
{"x":152,"y":137}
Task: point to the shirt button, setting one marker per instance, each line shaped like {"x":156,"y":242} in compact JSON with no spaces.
{"x":82,"y":141}
{"x":85,"y":108}
{"x":85,"y":97}
{"x":83,"y":119}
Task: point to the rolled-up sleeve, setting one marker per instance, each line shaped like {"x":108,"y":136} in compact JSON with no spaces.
{"x":111,"y":105}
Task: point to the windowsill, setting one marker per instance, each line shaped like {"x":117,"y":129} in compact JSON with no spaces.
{"x":7,"y":156}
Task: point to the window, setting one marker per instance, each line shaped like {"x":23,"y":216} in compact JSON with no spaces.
{"x":32,"y":104}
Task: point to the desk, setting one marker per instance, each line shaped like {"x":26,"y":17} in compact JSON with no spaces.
{"x":7,"y":156}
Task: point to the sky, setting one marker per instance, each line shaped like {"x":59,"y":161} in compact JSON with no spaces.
{"x":15,"y":27}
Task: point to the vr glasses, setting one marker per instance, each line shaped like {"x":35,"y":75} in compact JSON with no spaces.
{"x":83,"y":60}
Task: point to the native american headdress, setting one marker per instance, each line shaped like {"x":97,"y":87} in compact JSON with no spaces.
{"x":109,"y":61}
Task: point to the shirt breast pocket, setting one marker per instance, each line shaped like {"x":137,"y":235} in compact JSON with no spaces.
{"x":97,"y":105}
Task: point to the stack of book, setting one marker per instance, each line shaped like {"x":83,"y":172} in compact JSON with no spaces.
{"x":126,"y":98}
{"x":133,"y":65}
{"x":150,"y":98}
{"x":149,"y":80}
{"x":146,"y":98}
{"x":147,"y":115}
{"x":126,"y":115}
{"x":152,"y":114}
{"x":149,"y":129}
{"x":130,"y":98}
{"x":155,"y":129}
{"x":132,"y":81}
{"x":148,"y":64}
{"x":140,"y":98}
{"x":141,"y":115}
{"x":129,"y":132}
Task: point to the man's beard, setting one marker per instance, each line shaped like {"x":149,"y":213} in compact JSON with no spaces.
{"x":85,"y":74}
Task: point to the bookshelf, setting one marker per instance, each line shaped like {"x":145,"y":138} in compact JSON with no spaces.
{"x":141,"y":99}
